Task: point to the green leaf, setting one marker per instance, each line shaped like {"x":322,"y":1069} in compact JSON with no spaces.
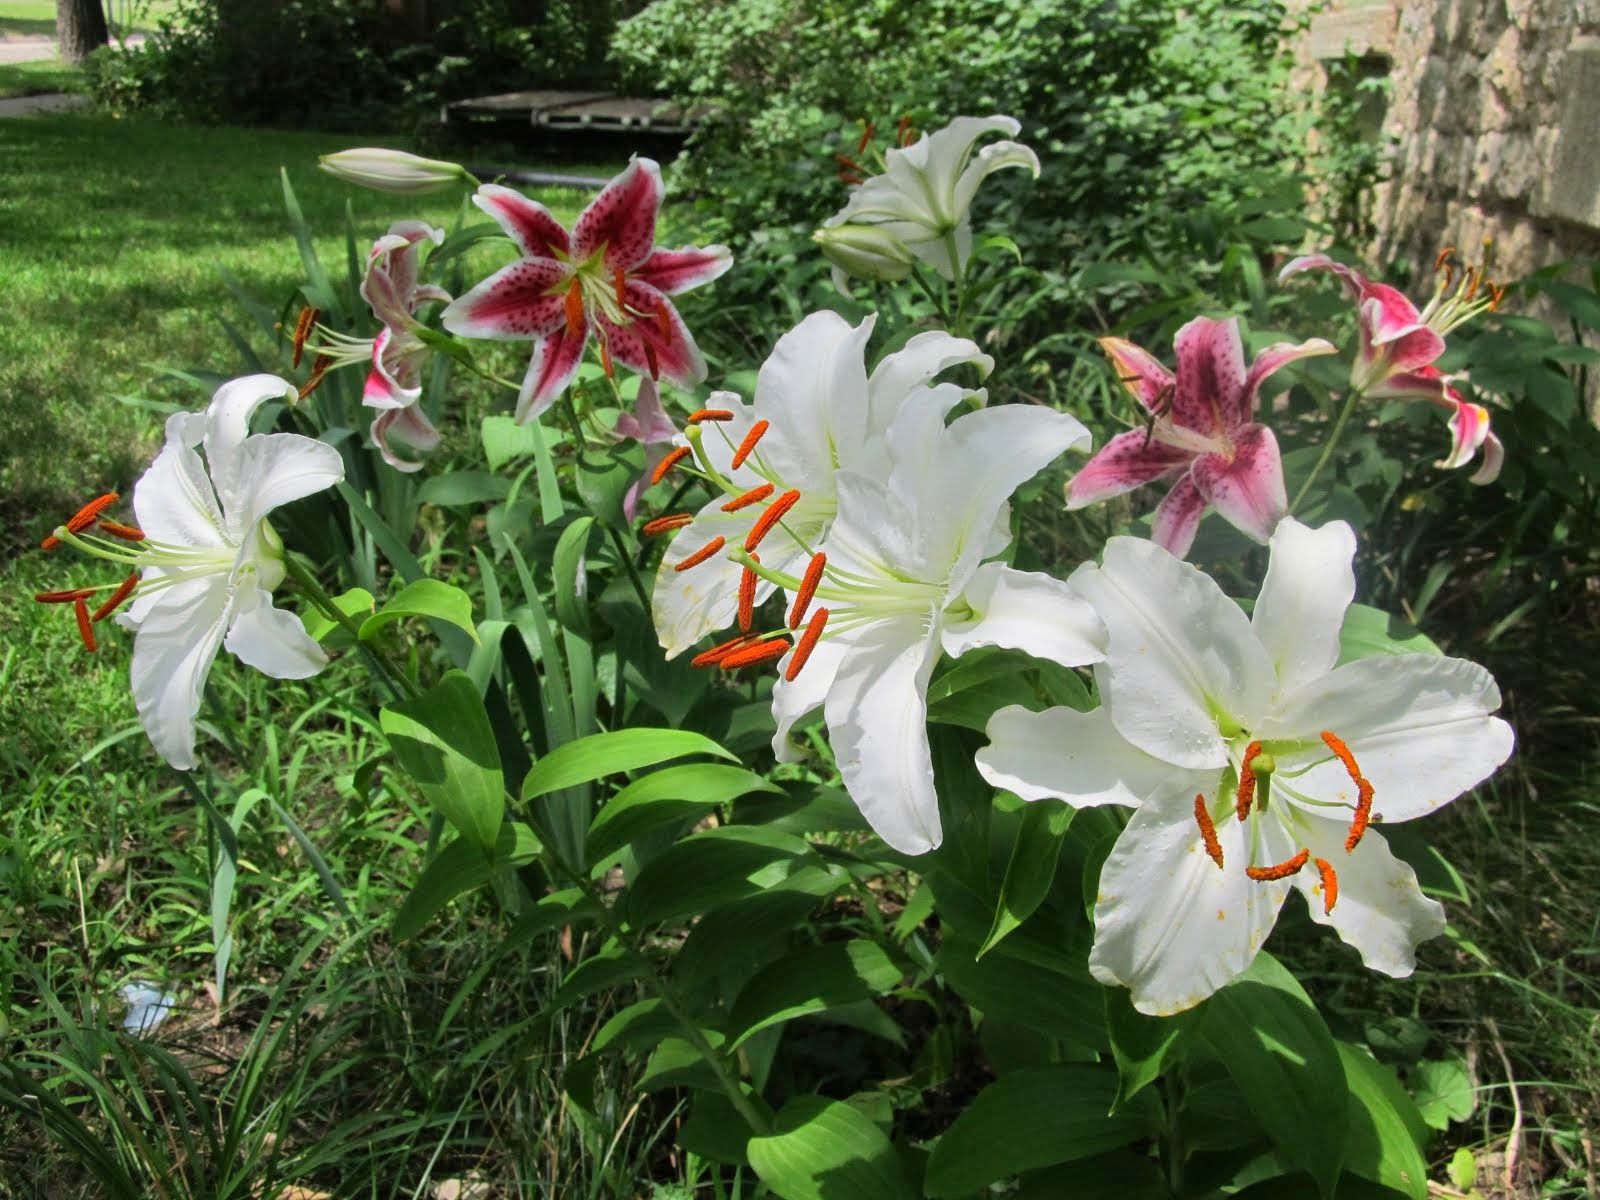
{"x":1140,"y":1044}
{"x":356,"y":603}
{"x":739,"y":931}
{"x":665,"y":797}
{"x":717,"y":866}
{"x":505,"y":441}
{"x":1277,"y":1048}
{"x":715,"y":1130}
{"x":1463,"y":1169}
{"x":460,"y":867}
{"x":1058,"y":1001}
{"x":602,"y":481}
{"x":1370,"y":631}
{"x":676,"y":1063}
{"x":603,"y":971}
{"x":1032,"y":1118}
{"x":571,"y":576}
{"x":444,"y":741}
{"x":1384,"y":1142}
{"x":425,"y":598}
{"x":1032,"y":868}
{"x":318,"y":290}
{"x":600,"y":754}
{"x":810,"y":981}
{"x":1443,"y":1092}
{"x":1119,"y":1175}
{"x":463,"y":489}
{"x":823,"y":1149}
{"x":642,"y":1019}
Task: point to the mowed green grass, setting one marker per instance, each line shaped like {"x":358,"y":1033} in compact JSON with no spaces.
{"x":37,"y":78}
{"x":37,"y":18}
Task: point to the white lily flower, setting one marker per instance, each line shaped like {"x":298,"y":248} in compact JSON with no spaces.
{"x":904,"y":579}
{"x":1197,"y":697}
{"x":816,"y":411}
{"x":204,"y":561}
{"x":924,"y":194}
{"x":392,"y":170}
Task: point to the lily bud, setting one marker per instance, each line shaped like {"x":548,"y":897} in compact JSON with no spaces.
{"x":865,"y":251}
{"x":392,"y":170}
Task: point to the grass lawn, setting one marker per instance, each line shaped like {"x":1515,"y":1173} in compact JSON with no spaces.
{"x":37,"y":18}
{"x":38,"y":78}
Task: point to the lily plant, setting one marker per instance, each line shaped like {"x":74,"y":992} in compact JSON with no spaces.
{"x":1255,"y":760}
{"x":1201,"y":434}
{"x":650,"y":426}
{"x":607,"y":281}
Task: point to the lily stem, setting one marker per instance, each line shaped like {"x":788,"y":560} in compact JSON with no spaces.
{"x":1327,"y":448}
{"x":395,"y":679}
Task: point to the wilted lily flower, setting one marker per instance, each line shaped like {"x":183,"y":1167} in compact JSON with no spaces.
{"x":394,"y":385}
{"x":1253,"y":761}
{"x":203,"y":562}
{"x":607,"y":280}
{"x":392,"y":170}
{"x":1202,"y":433}
{"x":919,"y":205}
{"x":816,"y":412}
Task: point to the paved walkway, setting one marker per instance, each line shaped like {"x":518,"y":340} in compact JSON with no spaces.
{"x":49,"y":102}
{"x":37,"y":49}
{"x":40,"y":49}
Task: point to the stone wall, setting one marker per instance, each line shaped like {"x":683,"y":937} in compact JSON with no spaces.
{"x":1494,"y":112}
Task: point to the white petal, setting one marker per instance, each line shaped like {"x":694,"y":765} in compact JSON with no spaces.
{"x":1027,"y":610}
{"x":992,"y":158}
{"x":173,"y":501}
{"x":174,"y":646}
{"x":1309,"y":585}
{"x":791,"y":701}
{"x":922,"y":358}
{"x":275,"y":468}
{"x":1180,"y":655}
{"x":271,"y":640}
{"x":227,"y":427}
{"x":1379,"y":909}
{"x":1418,"y":725}
{"x":1169,"y":924}
{"x":814,"y":386}
{"x":1076,"y":757}
{"x":877,"y":713}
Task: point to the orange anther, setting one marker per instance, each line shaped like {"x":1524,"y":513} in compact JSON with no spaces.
{"x":716,"y":654}
{"x":1342,"y":752}
{"x":1497,"y":293}
{"x":1208,"y":831}
{"x":620,"y":278}
{"x":666,"y":524}
{"x":807,"y":643}
{"x":651,"y":361}
{"x":1330,"y":884}
{"x":319,"y":368}
{"x":1363,"y":817}
{"x":760,"y":652}
{"x":605,"y":359}
{"x":1247,"y":781}
{"x":82,"y":519}
{"x":768,"y":519}
{"x":126,"y":532}
{"x":302,"y":330}
{"x":85,"y":629}
{"x":710,"y":414}
{"x":124,"y":590}
{"x":64,"y":597}
{"x":749,"y":444}
{"x":866,"y":138}
{"x":1282,"y":871}
{"x":904,"y":133}
{"x":844,"y":160}
{"x":808,"y":589}
{"x":852,"y":178}
{"x":672,"y":459}
{"x":574,"y":308}
{"x":700,"y":555}
{"x":1474,"y":280}
{"x":754,"y":496}
{"x":664,"y":323}
{"x":1443,"y":260}
{"x":747,"y":597}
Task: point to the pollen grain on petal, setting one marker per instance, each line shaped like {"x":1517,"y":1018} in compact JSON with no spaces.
{"x":710,"y":414}
{"x":759,"y":652}
{"x":113,"y":601}
{"x":85,"y":626}
{"x":808,"y":589}
{"x":666,"y":524}
{"x":672,"y":459}
{"x":754,"y":496}
{"x":747,"y":596}
{"x":1208,"y":831}
{"x":770,"y":518}
{"x":806,"y":644}
{"x":700,"y":555}
{"x":1281,"y":871}
{"x":1247,"y":781}
{"x":749,"y":444}
{"x":1330,"y":884}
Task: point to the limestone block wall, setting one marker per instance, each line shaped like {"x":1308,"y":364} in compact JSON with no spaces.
{"x":1494,"y":110}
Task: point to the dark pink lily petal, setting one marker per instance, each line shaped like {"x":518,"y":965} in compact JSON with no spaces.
{"x":1139,"y":371}
{"x":1424,"y":383}
{"x":1403,"y":346}
{"x":524,"y":300}
{"x":1270,"y":360}
{"x":622,"y":218}
{"x":527,"y":222}
{"x":409,"y":427}
{"x":393,"y":380}
{"x":1210,"y":375}
{"x":1127,"y":461}
{"x":662,"y":330}
{"x":1248,"y":489}
{"x":674,"y":271}
{"x":1494,"y":456}
{"x":1178,"y":518}
{"x":1388,"y":313}
{"x":648,"y":423}
{"x":554,"y":363}
{"x":1355,"y":283}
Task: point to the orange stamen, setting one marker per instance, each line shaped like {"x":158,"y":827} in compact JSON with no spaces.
{"x":319,"y":368}
{"x":754,"y":496}
{"x":1282,"y":871}
{"x":749,"y":444}
{"x":605,"y":359}
{"x":852,"y":178}
{"x":904,"y":131}
{"x":66,"y":597}
{"x":124,"y":590}
{"x":808,"y":589}
{"x":574,"y":306}
{"x":302,"y":330}
{"x":1247,"y":781}
{"x":1364,"y":789}
{"x":83,"y":518}
{"x":666,"y":464}
{"x":85,"y":629}
{"x":716,"y":654}
{"x":664,"y":323}
{"x":844,"y":160}
{"x":807,"y":643}
{"x":747,"y":597}
{"x":1474,"y":281}
{"x":1208,"y":831}
{"x":621,"y":280}
{"x":1330,"y":884}
{"x":700,"y":555}
{"x":666,"y":524}
{"x":126,"y":532}
{"x":710,"y":414}
{"x":1497,"y":293}
{"x":768,"y":519}
{"x":761,"y":652}
{"x":866,"y":138}
{"x":651,"y":361}
{"x":1443,"y":260}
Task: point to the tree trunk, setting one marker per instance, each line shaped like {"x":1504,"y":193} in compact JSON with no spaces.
{"x":80,"y":29}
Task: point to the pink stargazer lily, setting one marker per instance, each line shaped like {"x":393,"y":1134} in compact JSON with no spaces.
{"x":1469,"y":431}
{"x":606,"y":279}
{"x":650,"y":426}
{"x":394,"y":384}
{"x":1202,"y":434}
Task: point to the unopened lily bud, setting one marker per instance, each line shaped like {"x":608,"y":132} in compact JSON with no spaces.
{"x":392,"y":170}
{"x":865,"y":251}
